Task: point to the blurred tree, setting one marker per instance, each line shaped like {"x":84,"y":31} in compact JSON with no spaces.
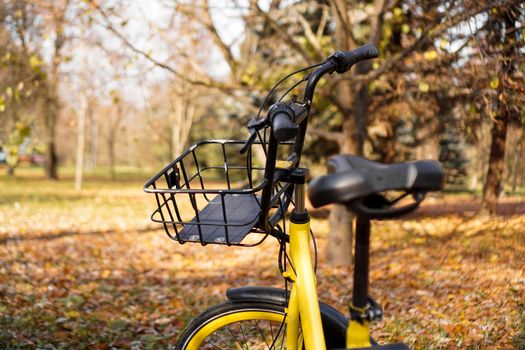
{"x":30,"y":24}
{"x":56,"y":21}
{"x":20,"y":80}
{"x":506,"y":42}
{"x":114,"y":121}
{"x":452,"y":157}
{"x":518,"y":160}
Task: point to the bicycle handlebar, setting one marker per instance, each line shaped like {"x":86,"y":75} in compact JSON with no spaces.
{"x":289,"y":123}
{"x":344,"y":60}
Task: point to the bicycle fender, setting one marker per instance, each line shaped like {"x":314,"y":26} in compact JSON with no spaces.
{"x":277,"y":296}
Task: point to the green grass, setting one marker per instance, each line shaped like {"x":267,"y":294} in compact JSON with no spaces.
{"x":67,"y":173}
{"x":31,"y":204}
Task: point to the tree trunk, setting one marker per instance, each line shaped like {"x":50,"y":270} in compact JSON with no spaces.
{"x":51,"y":116}
{"x":516,"y":166}
{"x":493,"y":182}
{"x":81,"y":135}
{"x":177,"y":124}
{"x":51,"y":160}
{"x":339,"y":248}
{"x":93,"y":140}
{"x":340,"y":236}
{"x":353,"y":129}
{"x":492,"y":186}
{"x":111,"y":154}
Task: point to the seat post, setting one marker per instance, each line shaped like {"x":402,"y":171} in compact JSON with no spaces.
{"x":362,"y":251}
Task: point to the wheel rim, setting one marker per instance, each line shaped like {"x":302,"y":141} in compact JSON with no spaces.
{"x":246,"y":329}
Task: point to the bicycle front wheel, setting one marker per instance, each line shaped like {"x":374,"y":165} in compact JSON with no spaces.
{"x":236,"y":326}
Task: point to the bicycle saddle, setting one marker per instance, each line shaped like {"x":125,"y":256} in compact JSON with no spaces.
{"x":358,"y":183}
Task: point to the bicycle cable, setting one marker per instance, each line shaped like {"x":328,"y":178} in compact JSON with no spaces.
{"x":315,"y":250}
{"x":305,"y":78}
{"x":279,"y":83}
{"x":264,"y":137}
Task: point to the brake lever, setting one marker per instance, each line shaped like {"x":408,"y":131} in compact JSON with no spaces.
{"x":254,"y":125}
{"x":248,"y":143}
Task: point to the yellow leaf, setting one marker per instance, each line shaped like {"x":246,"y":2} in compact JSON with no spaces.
{"x":420,"y":240}
{"x":430,"y":55}
{"x":72,"y":314}
{"x":405,"y":28}
{"x":395,"y":267}
{"x":423,"y":86}
{"x":34,"y":62}
{"x":494,"y":83}
{"x":398,"y":12}
{"x":105,"y":273}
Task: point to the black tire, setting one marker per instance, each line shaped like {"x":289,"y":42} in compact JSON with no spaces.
{"x":252,"y":333}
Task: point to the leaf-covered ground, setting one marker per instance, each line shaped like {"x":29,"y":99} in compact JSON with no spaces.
{"x":89,"y":271}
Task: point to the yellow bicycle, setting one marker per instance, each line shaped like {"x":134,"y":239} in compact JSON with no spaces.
{"x":216,"y":192}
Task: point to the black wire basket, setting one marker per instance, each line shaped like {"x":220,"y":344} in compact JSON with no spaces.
{"x":211,"y":194}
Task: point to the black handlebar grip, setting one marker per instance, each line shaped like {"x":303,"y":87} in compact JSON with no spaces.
{"x":283,"y":128}
{"x":344,"y":60}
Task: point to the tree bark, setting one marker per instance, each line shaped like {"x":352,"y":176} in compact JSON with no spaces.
{"x":81,"y":136}
{"x":51,"y":165}
{"x":493,"y":182}
{"x":111,"y":150}
{"x":492,"y":186}
{"x":516,"y":166}
{"x":53,"y":100}
{"x":339,"y":248}
{"x":93,"y":139}
{"x":354,"y":126}
{"x":112,"y":136}
{"x":50,"y":121}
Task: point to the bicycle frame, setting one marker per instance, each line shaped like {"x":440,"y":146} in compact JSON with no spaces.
{"x":303,"y":306}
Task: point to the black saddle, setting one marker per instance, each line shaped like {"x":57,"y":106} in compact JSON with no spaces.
{"x":358,"y":183}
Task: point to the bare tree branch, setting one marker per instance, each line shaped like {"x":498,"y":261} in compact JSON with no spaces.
{"x":207,"y":82}
{"x":425,"y":38}
{"x":285,"y":36}
{"x":322,"y":23}
{"x":342,"y":16}
{"x":310,"y":36}
{"x":377,"y":21}
{"x":207,"y":21}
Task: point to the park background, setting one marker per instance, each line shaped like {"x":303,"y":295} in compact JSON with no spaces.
{"x":97,"y":96}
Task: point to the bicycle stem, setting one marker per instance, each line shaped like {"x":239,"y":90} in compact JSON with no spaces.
{"x":361,"y":264}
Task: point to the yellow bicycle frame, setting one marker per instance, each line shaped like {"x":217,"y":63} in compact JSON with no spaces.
{"x":303,"y":306}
